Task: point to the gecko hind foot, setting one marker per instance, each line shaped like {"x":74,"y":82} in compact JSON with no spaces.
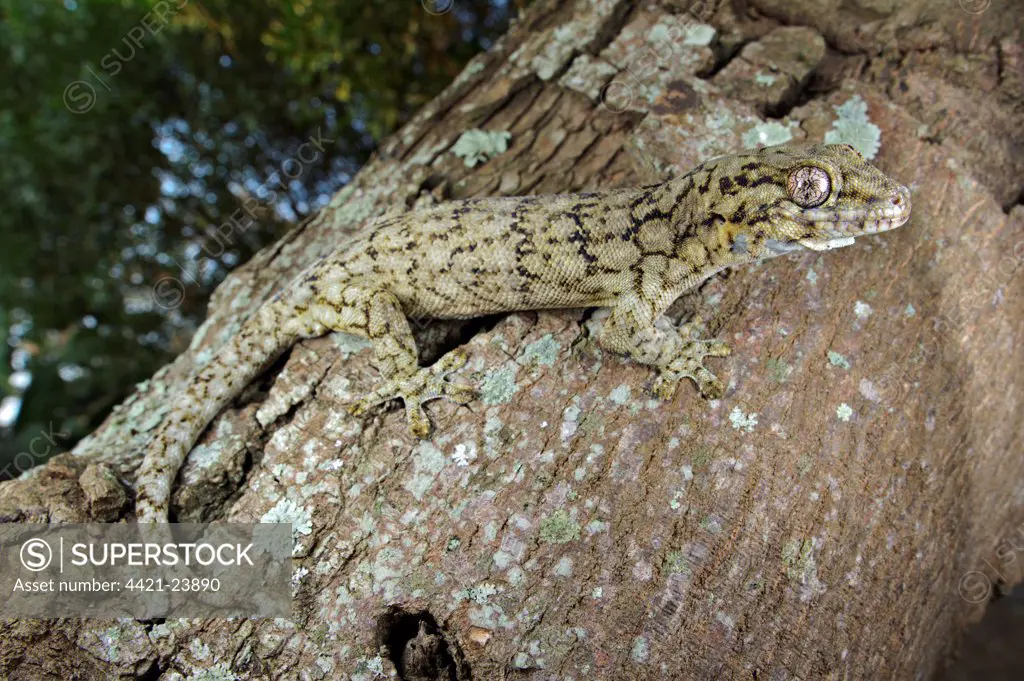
{"x":689,"y":364}
{"x":421,"y":386}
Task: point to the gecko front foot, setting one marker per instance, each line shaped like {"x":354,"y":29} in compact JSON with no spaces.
{"x":689,"y":363}
{"x":423,"y":385}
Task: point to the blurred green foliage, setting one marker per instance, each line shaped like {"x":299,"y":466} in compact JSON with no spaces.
{"x":130,"y":130}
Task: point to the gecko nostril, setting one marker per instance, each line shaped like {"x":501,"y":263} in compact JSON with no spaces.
{"x":897,"y":200}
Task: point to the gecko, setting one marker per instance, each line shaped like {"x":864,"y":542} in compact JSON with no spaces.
{"x":633,"y":251}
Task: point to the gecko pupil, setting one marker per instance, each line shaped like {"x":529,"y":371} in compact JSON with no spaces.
{"x":809,"y":186}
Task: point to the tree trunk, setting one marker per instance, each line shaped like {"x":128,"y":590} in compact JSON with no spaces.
{"x":844,"y":512}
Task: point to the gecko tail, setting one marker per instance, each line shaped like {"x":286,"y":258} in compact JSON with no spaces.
{"x":261,"y":340}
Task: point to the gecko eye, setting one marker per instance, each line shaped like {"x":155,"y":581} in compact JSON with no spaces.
{"x":809,"y":186}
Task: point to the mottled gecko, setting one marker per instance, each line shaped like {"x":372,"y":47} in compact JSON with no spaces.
{"x":631,"y":250}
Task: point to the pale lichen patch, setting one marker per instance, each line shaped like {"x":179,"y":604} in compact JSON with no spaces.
{"x":801,"y":568}
{"x":766,"y":134}
{"x":542,"y":351}
{"x":478,"y":594}
{"x":853,"y":127}
{"x":221,"y":671}
{"x":868,"y":389}
{"x":676,"y":563}
{"x":367,"y":669}
{"x":640,"y":650}
{"x":105,"y":644}
{"x":490,"y":616}
{"x":741,"y":421}
{"x":559,"y":528}
{"x":211,"y":454}
{"x":588,"y":75}
{"x":620,"y":395}
{"x":778,"y":370}
{"x":198,"y":649}
{"x":700,"y":35}
{"x":287,"y":511}
{"x":478,"y":146}
{"x":571,"y":416}
{"x":499,"y":385}
{"x":428,"y":462}
{"x":464,"y":454}
{"x":838,"y":360}
{"x":564,"y":567}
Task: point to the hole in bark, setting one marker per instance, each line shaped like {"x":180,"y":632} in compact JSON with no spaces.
{"x":418,"y":647}
{"x":152,"y":673}
{"x":723,"y":55}
{"x":1008,"y":208}
{"x":434,"y":338}
{"x":432,"y":182}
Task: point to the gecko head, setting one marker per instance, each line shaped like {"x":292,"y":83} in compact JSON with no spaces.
{"x":817,"y":197}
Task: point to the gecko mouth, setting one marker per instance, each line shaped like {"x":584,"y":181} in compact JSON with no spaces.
{"x":835,"y":229}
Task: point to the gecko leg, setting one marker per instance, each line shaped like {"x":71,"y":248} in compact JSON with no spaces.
{"x":635,"y":330}
{"x":397,"y":360}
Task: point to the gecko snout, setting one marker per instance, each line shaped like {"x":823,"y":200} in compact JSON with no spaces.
{"x":901,"y":203}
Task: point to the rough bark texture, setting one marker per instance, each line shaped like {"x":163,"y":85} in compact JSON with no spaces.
{"x":822,"y":521}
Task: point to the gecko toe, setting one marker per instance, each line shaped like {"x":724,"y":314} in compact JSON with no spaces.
{"x":388,"y":391}
{"x":452,"y":361}
{"x":689,"y":364}
{"x":665,"y":386}
{"x":419,"y":387}
{"x":716,"y":348}
{"x":356,"y":408}
{"x":460,"y":393}
{"x":710,"y":387}
{"x":419,"y":422}
{"x":437,"y":386}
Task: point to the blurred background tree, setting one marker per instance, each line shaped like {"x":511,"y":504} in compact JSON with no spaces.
{"x":131,"y":129}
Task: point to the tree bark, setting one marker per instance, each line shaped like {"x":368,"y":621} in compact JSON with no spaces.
{"x":844,"y":512}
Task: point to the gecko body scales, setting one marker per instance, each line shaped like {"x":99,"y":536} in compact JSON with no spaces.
{"x":631,"y":250}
